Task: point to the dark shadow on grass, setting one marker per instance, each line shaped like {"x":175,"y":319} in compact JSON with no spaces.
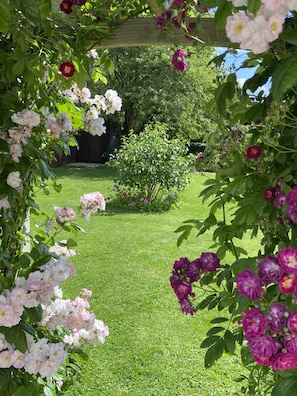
{"x":112,"y":210}
{"x":85,"y":172}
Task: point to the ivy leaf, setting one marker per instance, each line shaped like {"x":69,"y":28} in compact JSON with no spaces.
{"x":284,"y":77}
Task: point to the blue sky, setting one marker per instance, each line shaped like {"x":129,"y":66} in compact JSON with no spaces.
{"x":235,"y":61}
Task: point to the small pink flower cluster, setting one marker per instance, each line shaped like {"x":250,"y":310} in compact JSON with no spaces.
{"x":64,"y":214}
{"x":42,"y":288}
{"x":186,"y":272}
{"x":38,"y":288}
{"x":255,"y":32}
{"x":61,"y":250}
{"x":42,"y":357}
{"x":272,"y":332}
{"x":26,"y":121}
{"x":91,"y":203}
{"x":75,"y":318}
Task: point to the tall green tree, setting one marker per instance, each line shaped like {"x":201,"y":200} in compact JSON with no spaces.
{"x":153,"y":91}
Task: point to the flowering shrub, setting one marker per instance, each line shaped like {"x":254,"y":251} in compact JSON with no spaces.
{"x":152,"y":169}
{"x":129,"y":199}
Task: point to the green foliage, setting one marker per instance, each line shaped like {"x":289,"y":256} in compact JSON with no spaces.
{"x":151,"y":89}
{"x":152,"y":167}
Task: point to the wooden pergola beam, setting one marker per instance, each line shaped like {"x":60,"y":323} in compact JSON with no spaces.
{"x":143,"y":32}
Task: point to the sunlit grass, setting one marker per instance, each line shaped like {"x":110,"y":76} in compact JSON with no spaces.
{"x":126,"y":258}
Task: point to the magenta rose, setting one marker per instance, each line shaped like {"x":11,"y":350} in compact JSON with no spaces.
{"x":253,"y":152}
{"x":292,"y":322}
{"x":180,"y":264}
{"x":284,"y":361}
{"x":291,"y":345}
{"x":182,"y":289}
{"x":253,"y":323}
{"x":179,"y":61}
{"x":287,"y":259}
{"x":186,"y":306}
{"x":287,"y":283}
{"x":291,"y":201}
{"x":269,"y":194}
{"x":263,"y":346}
{"x":249,"y":285}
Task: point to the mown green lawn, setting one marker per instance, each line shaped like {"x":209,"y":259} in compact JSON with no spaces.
{"x":126,"y":258}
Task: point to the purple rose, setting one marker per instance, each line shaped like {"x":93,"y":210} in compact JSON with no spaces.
{"x":174,"y":279}
{"x":277,"y":317}
{"x":287,"y":259}
{"x":180,"y":264}
{"x":182,"y":289}
{"x":292,"y":322}
{"x":209,"y":262}
{"x":291,"y":345}
{"x":253,"y":323}
{"x":279,"y":200}
{"x":193,"y":270}
{"x":284,"y":361}
{"x":264,"y":346}
{"x":186,"y":306}
{"x":249,"y":285}
{"x":269,"y":270}
{"x":291,"y":201}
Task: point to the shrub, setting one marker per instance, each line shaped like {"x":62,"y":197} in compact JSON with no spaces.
{"x":151,"y":167}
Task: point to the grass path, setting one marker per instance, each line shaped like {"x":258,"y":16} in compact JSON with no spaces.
{"x":125,"y":258}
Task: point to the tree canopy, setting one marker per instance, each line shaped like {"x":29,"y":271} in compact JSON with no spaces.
{"x":153,"y":91}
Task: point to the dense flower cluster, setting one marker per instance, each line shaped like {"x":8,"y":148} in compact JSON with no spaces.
{"x":91,"y":203}
{"x":287,"y":203}
{"x":186,"y":272}
{"x":256,"y":31}
{"x":75,"y":317}
{"x":271,"y":332}
{"x":108,"y":103}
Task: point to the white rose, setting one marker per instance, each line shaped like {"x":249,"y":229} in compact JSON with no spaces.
{"x":14,"y":179}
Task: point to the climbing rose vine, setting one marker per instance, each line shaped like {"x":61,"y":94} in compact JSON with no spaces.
{"x":252,"y":194}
